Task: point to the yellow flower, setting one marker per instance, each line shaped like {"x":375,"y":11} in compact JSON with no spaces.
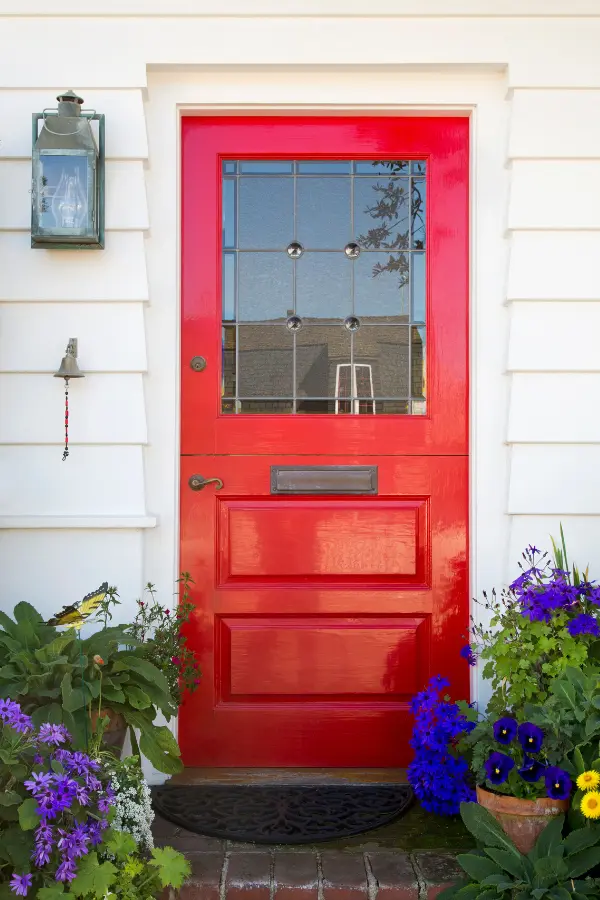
{"x":589,"y":781}
{"x":590,"y":805}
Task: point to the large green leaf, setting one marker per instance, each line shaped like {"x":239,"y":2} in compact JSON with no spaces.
{"x":92,"y":877}
{"x":147,"y":671}
{"x":55,"y":648}
{"x":559,"y":893}
{"x":28,"y":818}
{"x":9,"y":798}
{"x":138,"y":698}
{"x":581,"y":839}
{"x":49,"y":712}
{"x":162,"y":760}
{"x":484,"y":827}
{"x":551,"y":868}
{"x":510,"y":861}
{"x":565,"y":691}
{"x":16,"y":847}
{"x":72,"y":699}
{"x":549,"y":839}
{"x":173,"y":868}
{"x":581,"y":862}
{"x":25,"y":612}
{"x":478,"y":867}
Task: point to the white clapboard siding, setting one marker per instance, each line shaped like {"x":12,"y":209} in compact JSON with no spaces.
{"x":555,"y":124}
{"x":103,"y":409}
{"x":33,"y":336}
{"x":126,"y":206}
{"x":554,"y":337}
{"x":582,"y":534}
{"x":124,"y":110}
{"x":116,"y":273}
{"x":93,"y":481}
{"x":553,"y":408}
{"x":52,"y":568}
{"x":556,"y":479}
{"x":556,"y":194}
{"x":554,"y":265}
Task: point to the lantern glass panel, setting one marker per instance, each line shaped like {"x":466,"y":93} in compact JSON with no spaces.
{"x":64,"y":193}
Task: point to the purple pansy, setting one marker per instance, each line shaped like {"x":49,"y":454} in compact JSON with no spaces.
{"x":530,"y":737}
{"x":498,"y":766}
{"x":505,"y":730}
{"x":558,"y":783}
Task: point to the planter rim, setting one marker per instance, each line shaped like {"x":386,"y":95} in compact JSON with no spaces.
{"x":516,"y":806}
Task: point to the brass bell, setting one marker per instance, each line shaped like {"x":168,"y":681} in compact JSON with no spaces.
{"x":68,"y":366}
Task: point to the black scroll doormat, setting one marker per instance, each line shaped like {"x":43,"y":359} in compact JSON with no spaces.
{"x":282,"y":814}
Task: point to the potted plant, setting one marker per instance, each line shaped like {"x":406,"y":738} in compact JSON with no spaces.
{"x":56,"y":839}
{"x":525,"y":752}
{"x":59,"y":677}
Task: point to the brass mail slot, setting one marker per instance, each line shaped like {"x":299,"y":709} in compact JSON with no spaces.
{"x":323,"y":479}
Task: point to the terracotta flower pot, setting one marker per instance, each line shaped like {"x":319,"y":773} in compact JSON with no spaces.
{"x":522,"y":820}
{"x":115,"y":731}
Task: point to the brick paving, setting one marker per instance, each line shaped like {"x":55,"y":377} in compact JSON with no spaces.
{"x":227,"y":870}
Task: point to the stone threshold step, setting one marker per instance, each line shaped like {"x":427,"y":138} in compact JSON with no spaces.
{"x":289,"y":776}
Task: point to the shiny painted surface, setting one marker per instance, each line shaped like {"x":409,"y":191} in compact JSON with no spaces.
{"x":318,"y":616}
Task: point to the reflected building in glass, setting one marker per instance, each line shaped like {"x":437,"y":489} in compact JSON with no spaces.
{"x":324,"y":288}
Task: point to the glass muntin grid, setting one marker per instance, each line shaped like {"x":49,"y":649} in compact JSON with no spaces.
{"x":328,"y":207}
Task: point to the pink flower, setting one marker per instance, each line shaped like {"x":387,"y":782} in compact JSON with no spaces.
{"x":141,"y":603}
{"x":196,"y":681}
{"x":175,"y":660}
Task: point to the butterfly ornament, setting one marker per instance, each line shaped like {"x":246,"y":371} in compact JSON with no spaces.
{"x":75,"y":615}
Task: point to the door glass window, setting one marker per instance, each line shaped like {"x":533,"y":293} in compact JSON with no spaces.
{"x":324,"y":287}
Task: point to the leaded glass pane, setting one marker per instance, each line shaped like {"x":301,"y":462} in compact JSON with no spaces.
{"x":324,"y":287}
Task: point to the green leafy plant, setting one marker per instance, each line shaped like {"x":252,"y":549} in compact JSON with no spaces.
{"x":556,"y":868}
{"x":160,"y":629}
{"x":58,"y":677}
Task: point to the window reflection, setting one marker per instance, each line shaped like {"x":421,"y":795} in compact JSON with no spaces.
{"x":322,"y":366}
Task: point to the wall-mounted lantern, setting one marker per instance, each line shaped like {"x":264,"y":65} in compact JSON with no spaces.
{"x":68,"y":177}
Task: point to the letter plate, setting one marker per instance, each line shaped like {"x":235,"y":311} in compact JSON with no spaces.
{"x":323,"y":479}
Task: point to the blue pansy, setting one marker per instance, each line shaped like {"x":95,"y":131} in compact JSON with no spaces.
{"x":558,"y":783}
{"x":498,"y":766}
{"x":505,"y":730}
{"x":531,"y":770}
{"x":530,"y":737}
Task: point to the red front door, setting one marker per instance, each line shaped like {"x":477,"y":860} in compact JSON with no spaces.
{"x":325,"y":287}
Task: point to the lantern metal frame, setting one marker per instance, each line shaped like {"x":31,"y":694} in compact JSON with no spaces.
{"x":91,"y":116}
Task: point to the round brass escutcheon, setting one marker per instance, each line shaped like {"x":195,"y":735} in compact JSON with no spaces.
{"x":198,"y":363}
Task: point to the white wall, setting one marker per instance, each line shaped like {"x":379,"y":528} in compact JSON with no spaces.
{"x":528,"y":74}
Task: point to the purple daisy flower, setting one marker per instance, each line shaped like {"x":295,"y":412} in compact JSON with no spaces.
{"x":40,"y":782}
{"x":498,"y":766}
{"x":66,"y":871}
{"x":20,"y":884}
{"x":53,"y":734}
{"x":468,"y":654}
{"x":530,"y":737}
{"x":583,"y":624}
{"x":505,"y":730}
{"x":558,"y":783}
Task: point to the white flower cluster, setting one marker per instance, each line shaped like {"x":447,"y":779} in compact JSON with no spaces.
{"x":133,"y":807}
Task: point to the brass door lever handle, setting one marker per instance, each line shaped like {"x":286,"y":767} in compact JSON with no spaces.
{"x":197,"y":482}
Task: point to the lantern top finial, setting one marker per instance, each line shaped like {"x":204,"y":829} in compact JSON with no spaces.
{"x":69,"y":97}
